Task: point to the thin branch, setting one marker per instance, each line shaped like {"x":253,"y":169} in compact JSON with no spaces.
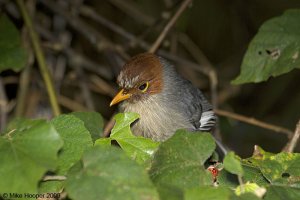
{"x":254,"y":122}
{"x":40,"y":58}
{"x":71,"y":104}
{"x":88,"y":12}
{"x":170,"y":24}
{"x":3,"y":104}
{"x":291,"y":145}
{"x":25,"y":75}
{"x":133,"y":11}
{"x":85,"y":91}
{"x":109,"y":126}
{"x":98,"y":40}
{"x":103,"y":85}
{"x":72,"y":55}
{"x":209,"y":69}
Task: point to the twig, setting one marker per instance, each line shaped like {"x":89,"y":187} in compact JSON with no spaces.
{"x":40,"y":58}
{"x":54,"y":178}
{"x":3,"y":104}
{"x":209,"y":71}
{"x":103,"y":85}
{"x":26,"y":73}
{"x":130,"y":9}
{"x":291,"y":145}
{"x":98,"y":40}
{"x":110,"y":124}
{"x":23,"y":91}
{"x":90,"y":13}
{"x":85,"y":91}
{"x":167,"y":28}
{"x":254,"y":122}
{"x":119,"y":30}
{"x":71,"y":104}
{"x":72,"y":55}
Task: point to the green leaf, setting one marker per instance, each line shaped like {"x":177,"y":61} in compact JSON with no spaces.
{"x":12,"y":55}
{"x":254,"y":175}
{"x":215,"y":193}
{"x":26,"y":153}
{"x":76,"y":140}
{"x":274,"y":50}
{"x":107,"y":173}
{"x":170,"y":192}
{"x":179,"y":160}
{"x":138,"y":148}
{"x":103,"y":142}
{"x":232,"y":163}
{"x":250,"y":188}
{"x":282,"y":168}
{"x":208,"y":192}
{"x":93,"y":122}
{"x":277,"y":192}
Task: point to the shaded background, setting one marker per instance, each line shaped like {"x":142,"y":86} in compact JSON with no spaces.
{"x":87,"y":42}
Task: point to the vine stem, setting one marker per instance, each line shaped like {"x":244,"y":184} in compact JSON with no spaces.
{"x":40,"y":58}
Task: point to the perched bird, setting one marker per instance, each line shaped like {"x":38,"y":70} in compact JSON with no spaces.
{"x":165,"y":101}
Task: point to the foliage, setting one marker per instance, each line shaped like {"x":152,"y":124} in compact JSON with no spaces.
{"x":71,"y":146}
{"x":275,"y":49}
{"x":64,"y":147}
{"x":138,"y":148}
{"x":27,"y":151}
{"x":12,"y":55}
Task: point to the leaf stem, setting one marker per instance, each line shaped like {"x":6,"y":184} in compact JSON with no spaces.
{"x":54,"y":178}
{"x":40,"y":58}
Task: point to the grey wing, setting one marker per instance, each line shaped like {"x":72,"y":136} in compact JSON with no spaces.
{"x":199,"y":110}
{"x":208,"y":118}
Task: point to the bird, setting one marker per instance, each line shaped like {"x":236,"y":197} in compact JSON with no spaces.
{"x":165,"y":101}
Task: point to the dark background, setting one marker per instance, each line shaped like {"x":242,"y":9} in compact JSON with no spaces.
{"x":85,"y":57}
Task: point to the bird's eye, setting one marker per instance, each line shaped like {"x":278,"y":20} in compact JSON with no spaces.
{"x":144,"y":87}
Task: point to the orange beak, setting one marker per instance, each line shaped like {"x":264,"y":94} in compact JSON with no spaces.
{"x":120,"y":97}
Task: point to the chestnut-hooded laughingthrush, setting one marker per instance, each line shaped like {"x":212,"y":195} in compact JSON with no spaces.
{"x":165,"y":101}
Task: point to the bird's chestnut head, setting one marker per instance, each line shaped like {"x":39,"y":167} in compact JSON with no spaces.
{"x":140,"y":77}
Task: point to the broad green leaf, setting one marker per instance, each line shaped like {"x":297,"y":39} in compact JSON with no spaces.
{"x":12,"y":55}
{"x":282,"y":168}
{"x":170,"y":192}
{"x":76,"y":140}
{"x":103,"y":142}
{"x":27,"y":152}
{"x":232,"y":163}
{"x":93,"y":122}
{"x":138,"y":148}
{"x":179,"y":160}
{"x":107,"y":173}
{"x":280,"y":192}
{"x":208,"y":192}
{"x":215,"y":193}
{"x":250,"y":188}
{"x":274,"y":50}
{"x":254,"y":175}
